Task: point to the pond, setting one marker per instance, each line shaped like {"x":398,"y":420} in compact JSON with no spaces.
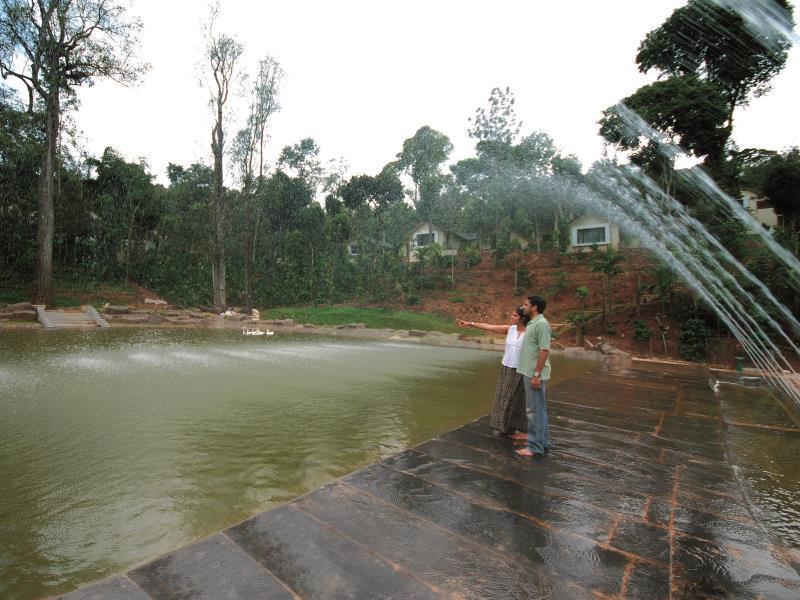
{"x":117,"y":446}
{"x":764,"y":444}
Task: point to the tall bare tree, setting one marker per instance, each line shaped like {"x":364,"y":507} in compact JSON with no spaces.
{"x":222,"y":53}
{"x":52,"y":46}
{"x":249,"y":145}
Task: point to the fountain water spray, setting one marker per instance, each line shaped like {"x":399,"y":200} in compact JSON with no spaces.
{"x":667,"y":229}
{"x":766,"y":19}
{"x":747,"y":306}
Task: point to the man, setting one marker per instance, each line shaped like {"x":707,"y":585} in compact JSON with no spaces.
{"x":534,"y":366}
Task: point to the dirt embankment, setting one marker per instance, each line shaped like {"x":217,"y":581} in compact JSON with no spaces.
{"x":486,"y":293}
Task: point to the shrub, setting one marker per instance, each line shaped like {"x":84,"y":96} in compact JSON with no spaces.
{"x":693,"y":340}
{"x":457,"y":300}
{"x":472,"y":254}
{"x":640,"y":331}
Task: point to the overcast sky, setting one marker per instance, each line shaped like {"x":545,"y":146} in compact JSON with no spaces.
{"x":364,"y":75}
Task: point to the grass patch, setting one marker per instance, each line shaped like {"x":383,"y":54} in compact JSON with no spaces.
{"x":375,"y":318}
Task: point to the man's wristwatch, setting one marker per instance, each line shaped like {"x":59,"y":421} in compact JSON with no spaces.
{"x":536,"y":374}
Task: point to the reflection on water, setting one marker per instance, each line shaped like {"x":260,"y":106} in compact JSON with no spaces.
{"x":119,"y":445}
{"x":765,"y":457}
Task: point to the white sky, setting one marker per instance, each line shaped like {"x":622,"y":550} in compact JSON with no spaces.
{"x":364,"y":75}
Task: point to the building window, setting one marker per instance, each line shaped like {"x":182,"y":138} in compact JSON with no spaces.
{"x":591,"y":235}
{"x":425,"y":239}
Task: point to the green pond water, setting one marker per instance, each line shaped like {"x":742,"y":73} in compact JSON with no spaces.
{"x":765,"y":458}
{"x":117,"y":446}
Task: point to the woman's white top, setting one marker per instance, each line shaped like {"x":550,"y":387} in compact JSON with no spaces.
{"x":513,"y":347}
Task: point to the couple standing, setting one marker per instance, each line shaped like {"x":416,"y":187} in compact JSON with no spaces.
{"x":524,"y":374}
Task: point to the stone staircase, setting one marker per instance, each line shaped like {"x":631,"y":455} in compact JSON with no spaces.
{"x":53,"y":319}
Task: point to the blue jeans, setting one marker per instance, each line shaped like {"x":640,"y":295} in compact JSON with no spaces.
{"x":536,"y":409}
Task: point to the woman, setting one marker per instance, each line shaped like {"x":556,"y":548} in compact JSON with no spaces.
{"x":508,"y":415}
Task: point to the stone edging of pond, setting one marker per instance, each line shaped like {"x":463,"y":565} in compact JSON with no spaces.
{"x":612,"y":357}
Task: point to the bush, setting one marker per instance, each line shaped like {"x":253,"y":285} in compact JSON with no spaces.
{"x":561,"y":284}
{"x":457,"y":300}
{"x":472,"y":254}
{"x":693,"y":340}
{"x":640,"y":331}
{"x":579,"y":320}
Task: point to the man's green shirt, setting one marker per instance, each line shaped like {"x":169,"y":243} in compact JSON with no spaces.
{"x":537,"y":338}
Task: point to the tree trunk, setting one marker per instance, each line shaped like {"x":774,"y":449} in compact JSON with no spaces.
{"x":130,"y":241}
{"x":248,"y":292}
{"x":218,"y":252}
{"x":43,"y":292}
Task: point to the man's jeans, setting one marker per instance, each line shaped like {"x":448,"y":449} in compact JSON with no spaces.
{"x":536,"y":409}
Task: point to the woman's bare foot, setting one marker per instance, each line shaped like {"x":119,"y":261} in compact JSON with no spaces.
{"x":524,"y":452}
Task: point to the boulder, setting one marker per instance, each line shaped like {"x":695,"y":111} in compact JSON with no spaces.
{"x":117,"y":310}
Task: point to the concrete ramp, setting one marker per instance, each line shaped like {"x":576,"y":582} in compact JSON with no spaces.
{"x":53,"y":319}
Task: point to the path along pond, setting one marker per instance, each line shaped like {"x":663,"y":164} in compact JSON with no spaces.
{"x":117,"y":446}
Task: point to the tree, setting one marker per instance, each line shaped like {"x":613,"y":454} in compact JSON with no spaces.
{"x":222,"y":53}
{"x":51,"y":47}
{"x":607,"y":264}
{"x":578,"y":318}
{"x":122,"y":192}
{"x":303,"y":158}
{"x":377,"y":192}
{"x":20,"y":159}
{"x":782,"y":188}
{"x":710,"y":39}
{"x":248,"y":143}
{"x":497,"y":122}
{"x":686,"y":110}
{"x":421,"y":158}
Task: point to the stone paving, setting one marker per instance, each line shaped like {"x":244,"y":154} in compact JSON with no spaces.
{"x":636,"y":500}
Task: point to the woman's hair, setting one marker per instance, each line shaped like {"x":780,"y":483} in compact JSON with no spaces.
{"x":522,"y":316}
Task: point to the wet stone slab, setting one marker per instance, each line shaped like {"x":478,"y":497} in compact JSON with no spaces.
{"x":635,"y":500}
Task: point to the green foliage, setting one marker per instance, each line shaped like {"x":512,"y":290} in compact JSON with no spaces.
{"x":706,"y":37}
{"x":498,"y":122}
{"x":472,"y":255}
{"x":693,"y":340}
{"x":524,"y":281}
{"x":408,"y":292}
{"x":560,"y":238}
{"x":560,"y":285}
{"x":640,"y":331}
{"x":457,"y":300}
{"x":781,"y":185}
{"x":20,"y":155}
{"x":579,"y":320}
{"x":607,"y":264}
{"x":689,"y":111}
